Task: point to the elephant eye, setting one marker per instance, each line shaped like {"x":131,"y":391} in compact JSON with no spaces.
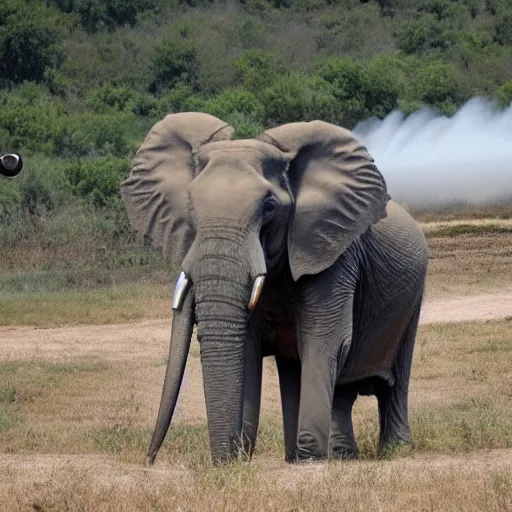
{"x":270,"y":208}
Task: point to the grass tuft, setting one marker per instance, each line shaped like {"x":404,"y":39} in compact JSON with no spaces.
{"x":467,"y":229}
{"x":119,"y":439}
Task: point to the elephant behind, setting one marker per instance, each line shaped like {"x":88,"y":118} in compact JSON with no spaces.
{"x":289,"y":246}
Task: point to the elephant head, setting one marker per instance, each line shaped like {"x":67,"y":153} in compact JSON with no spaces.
{"x":11,"y":164}
{"x":231,"y":212}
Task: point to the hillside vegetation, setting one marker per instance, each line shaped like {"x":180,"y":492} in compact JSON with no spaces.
{"x":82,"y":81}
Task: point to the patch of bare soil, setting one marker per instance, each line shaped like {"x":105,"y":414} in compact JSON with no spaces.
{"x":125,"y":342}
{"x":113,"y":342}
{"x":487,"y":306}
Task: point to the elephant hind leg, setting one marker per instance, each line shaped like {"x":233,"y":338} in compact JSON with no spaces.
{"x":342,"y":442}
{"x":393,"y":400}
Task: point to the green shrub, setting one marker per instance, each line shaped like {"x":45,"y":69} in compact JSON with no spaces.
{"x":98,"y":180}
{"x":180,"y":98}
{"x":361,"y":89}
{"x":9,"y":197}
{"x":30,"y":40}
{"x":29,"y":118}
{"x":423,"y":34}
{"x":258,"y":69}
{"x":104,"y":14}
{"x":299,"y":97}
{"x":505,"y":94}
{"x":121,"y":58}
{"x":174,"y":62}
{"x":436,"y":84}
{"x":91,"y":134}
{"x":503,"y":28}
{"x":32,"y":199}
{"x":109,"y":98}
{"x":234,"y":101}
{"x":246,"y":127}
{"x":42,"y":186}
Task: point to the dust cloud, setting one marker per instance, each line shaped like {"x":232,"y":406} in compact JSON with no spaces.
{"x":429,"y":160}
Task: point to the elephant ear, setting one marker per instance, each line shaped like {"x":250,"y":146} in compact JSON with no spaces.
{"x":338,"y":192}
{"x":156,"y":191}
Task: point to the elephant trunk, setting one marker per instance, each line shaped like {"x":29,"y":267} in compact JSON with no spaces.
{"x":181,"y":333}
{"x":222,"y":289}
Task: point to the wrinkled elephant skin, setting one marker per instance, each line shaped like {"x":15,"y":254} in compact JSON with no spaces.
{"x":289,"y":246}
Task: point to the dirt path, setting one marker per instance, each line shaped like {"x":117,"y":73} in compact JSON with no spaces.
{"x":144,"y":339}
{"x":486,"y":306}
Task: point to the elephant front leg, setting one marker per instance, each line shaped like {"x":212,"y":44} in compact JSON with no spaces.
{"x":252,"y":395}
{"x":325,"y":339}
{"x":316,"y":396}
{"x":342,"y":441}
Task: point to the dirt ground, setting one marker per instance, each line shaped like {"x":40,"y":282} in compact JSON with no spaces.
{"x":117,"y":342}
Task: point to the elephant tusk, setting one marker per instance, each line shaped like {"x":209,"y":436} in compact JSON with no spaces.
{"x":256,"y":292}
{"x":180,"y":291}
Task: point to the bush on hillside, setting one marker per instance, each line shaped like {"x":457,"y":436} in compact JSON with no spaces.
{"x":98,"y":180}
{"x":299,"y":97}
{"x":505,"y":94}
{"x":436,"y":84}
{"x":258,"y":69}
{"x":30,"y":40}
{"x":174,"y":62}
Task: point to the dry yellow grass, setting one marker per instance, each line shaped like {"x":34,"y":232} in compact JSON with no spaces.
{"x":74,"y":430}
{"x":78,"y":404}
{"x":112,"y":304}
{"x":465,"y":212}
{"x":459,"y":265}
{"x":469,"y":264}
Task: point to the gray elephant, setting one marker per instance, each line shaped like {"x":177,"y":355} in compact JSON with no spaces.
{"x":290,"y":246}
{"x":11,"y":164}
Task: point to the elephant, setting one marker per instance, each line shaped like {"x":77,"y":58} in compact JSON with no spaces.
{"x":290,"y":246}
{"x":11,"y":164}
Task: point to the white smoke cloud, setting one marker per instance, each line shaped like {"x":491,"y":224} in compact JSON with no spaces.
{"x":431,"y":160}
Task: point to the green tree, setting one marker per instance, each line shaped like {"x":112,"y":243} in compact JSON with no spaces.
{"x":436,"y":84}
{"x":174,"y":62}
{"x":361,"y":89}
{"x":105,"y":14}
{"x":258,"y":69}
{"x":30,"y":40}
{"x":503,"y":28}
{"x":424,"y":33}
{"x":98,"y":180}
{"x":505,"y":94}
{"x":299,"y":97}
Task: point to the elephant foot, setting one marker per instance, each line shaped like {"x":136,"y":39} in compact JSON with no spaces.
{"x":308,"y":448}
{"x":344,"y":453}
{"x":304,"y":459}
{"x":395,"y":448}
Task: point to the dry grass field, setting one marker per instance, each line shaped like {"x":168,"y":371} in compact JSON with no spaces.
{"x":81,"y":375}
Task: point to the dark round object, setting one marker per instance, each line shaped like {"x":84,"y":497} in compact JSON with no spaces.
{"x":11,"y":164}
